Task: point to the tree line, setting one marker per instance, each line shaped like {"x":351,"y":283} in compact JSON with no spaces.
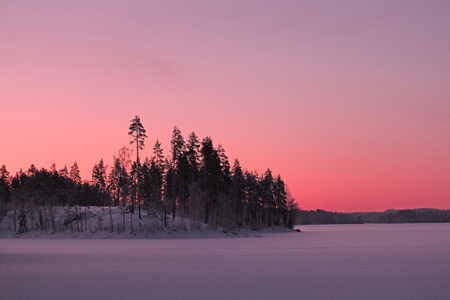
{"x":422,"y":215}
{"x":195,"y":181}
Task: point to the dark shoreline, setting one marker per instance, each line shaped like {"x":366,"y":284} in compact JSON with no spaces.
{"x":420,"y":215}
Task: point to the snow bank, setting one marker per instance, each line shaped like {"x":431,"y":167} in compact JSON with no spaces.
{"x":103,"y":223}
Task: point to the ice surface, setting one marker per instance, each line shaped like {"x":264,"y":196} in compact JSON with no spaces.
{"x":323,"y":262}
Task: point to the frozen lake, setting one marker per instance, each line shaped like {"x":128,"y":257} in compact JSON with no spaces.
{"x":402,"y":261}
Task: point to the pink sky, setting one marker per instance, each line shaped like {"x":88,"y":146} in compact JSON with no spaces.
{"x":348,"y":100}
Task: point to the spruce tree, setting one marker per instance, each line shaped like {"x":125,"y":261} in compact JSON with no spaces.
{"x":74,"y":174}
{"x":192,"y":153}
{"x":178,"y":147}
{"x":238,"y":193}
{"x":99,"y":175}
{"x":64,"y":173}
{"x":5,"y":190}
{"x":158,"y":154}
{"x":267,"y":198}
{"x":280,"y":197}
{"x":157,"y":168}
{"x":210,"y":170}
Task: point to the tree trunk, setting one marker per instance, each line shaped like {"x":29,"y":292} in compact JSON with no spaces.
{"x":165,"y":216}
{"x":131,"y":221}
{"x":174,"y":202}
{"x":40,"y":218}
{"x":206,"y":213}
{"x":123,"y":217}
{"x":76,"y":217}
{"x":52,"y":217}
{"x":110,"y":217}
{"x":138,"y":192}
{"x":217,"y":215}
{"x":14,"y":215}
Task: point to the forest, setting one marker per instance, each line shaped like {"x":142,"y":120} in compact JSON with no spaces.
{"x":195,"y":181}
{"x":421,"y":215}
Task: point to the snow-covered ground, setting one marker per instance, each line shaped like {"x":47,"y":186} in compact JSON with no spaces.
{"x":102,"y":223}
{"x":379,"y":261}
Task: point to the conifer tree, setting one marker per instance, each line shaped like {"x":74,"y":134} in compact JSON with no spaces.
{"x":192,"y":153}
{"x":119,"y":186}
{"x":252,"y":191}
{"x":156,"y":167}
{"x":99,"y":181}
{"x":114,"y":179}
{"x":210,"y":169}
{"x":53,"y":169}
{"x":238,"y":192}
{"x":137,"y":131}
{"x":158,"y":154}
{"x":64,"y":172}
{"x":224,"y":206}
{"x":267,"y":198}
{"x":193,"y":146}
{"x":182,"y":174}
{"x":74,"y":173}
{"x":5,"y":189}
{"x":177,"y":145}
{"x":99,"y":175}
{"x":280,"y":198}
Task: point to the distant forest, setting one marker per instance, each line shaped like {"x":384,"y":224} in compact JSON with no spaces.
{"x":422,"y":215}
{"x":196,"y":181}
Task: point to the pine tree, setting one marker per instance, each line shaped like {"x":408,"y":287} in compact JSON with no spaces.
{"x":177,"y":147}
{"x":146,"y":186}
{"x":267,"y":198}
{"x":177,"y":143}
{"x":280,"y":197}
{"x":99,"y":175}
{"x":5,"y":189}
{"x":152,"y":177}
{"x":114,"y":179}
{"x":182,"y":174}
{"x":210,"y":170}
{"x":193,"y":146}
{"x":252,"y":191}
{"x":292,"y":209}
{"x":74,"y":174}
{"x":32,"y":170}
{"x":64,"y":172}
{"x":119,"y":186}
{"x":238,"y":193}
{"x":224,"y":205}
{"x":100,"y":182}
{"x":169,"y":188}
{"x":192,"y":154}
{"x":137,"y":131}
{"x":53,"y":169}
{"x":158,"y":154}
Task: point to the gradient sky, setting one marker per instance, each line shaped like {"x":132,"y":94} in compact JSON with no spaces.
{"x":348,"y":100}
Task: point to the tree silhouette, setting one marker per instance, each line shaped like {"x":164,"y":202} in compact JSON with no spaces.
{"x":5,"y":189}
{"x":196,"y":181}
{"x":74,"y":173}
{"x":137,"y":131}
{"x":178,"y":147}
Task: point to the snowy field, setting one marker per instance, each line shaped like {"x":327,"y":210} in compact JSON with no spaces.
{"x":402,"y":261}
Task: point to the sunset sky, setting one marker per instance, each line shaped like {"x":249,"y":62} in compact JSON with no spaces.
{"x":348,"y":100}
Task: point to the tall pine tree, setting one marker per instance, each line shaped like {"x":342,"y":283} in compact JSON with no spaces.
{"x":137,"y":131}
{"x":178,"y":145}
{"x":5,"y":189}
